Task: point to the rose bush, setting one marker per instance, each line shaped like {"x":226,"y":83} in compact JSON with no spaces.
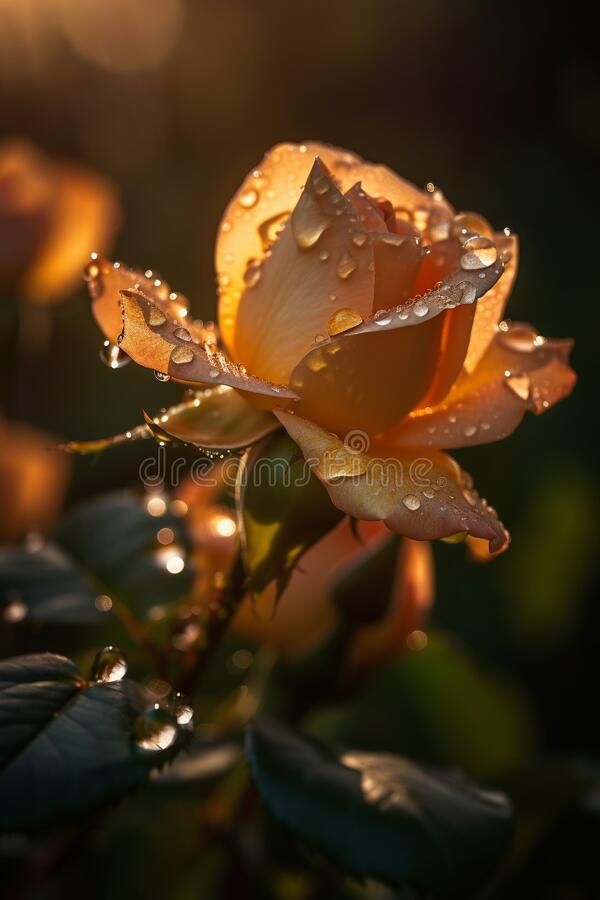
{"x":364,"y":316}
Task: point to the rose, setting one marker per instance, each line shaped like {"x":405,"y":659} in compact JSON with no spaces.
{"x":50,"y":214}
{"x":351,"y":301}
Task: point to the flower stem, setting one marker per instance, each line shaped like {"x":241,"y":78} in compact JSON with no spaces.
{"x":218,"y":617}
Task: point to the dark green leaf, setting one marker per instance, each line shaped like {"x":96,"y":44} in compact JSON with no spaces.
{"x":285,"y":510}
{"x":45,"y":585}
{"x":66,"y":744}
{"x":114,"y":537}
{"x":379,"y":815}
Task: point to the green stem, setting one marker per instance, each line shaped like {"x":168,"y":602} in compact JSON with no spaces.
{"x":219,"y":615}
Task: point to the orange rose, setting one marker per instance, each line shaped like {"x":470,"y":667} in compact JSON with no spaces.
{"x":33,"y":480}
{"x":51,"y":215}
{"x":364,"y":315}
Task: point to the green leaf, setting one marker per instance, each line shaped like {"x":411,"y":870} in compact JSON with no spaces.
{"x":447,"y":710}
{"x":381,"y":816}
{"x":66,"y":744}
{"x":285,"y":510}
{"x":114,"y":537}
{"x":45,"y":585}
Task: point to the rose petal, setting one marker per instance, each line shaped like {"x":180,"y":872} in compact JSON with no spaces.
{"x":163,"y":348}
{"x":315,"y":267}
{"x":215,"y":418}
{"x":412,"y":596}
{"x":84,"y":214}
{"x":490,"y":308}
{"x":520,"y":371}
{"x":268,"y":195}
{"x":419,"y":493}
{"x":374,"y":374}
{"x":107,"y":279}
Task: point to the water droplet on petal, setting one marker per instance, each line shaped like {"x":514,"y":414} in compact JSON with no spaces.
{"x":468,"y":292}
{"x":155,"y":729}
{"x":112,"y":356}
{"x":324,"y":255}
{"x":470,"y":222}
{"x":346,"y":265}
{"x":321,"y":184}
{"x":343,"y":319}
{"x":359,"y":239}
{"x":183,"y":334}
{"x":248,"y":198}
{"x":156,"y":316}
{"x":182,"y":355}
{"x":470,"y":430}
{"x":520,"y":338}
{"x":411,"y":501}
{"x":161,"y":376}
{"x":429,"y":493}
{"x":478,"y":253}
{"x":109,"y":665}
{"x":420,"y":309}
{"x":383,"y":317}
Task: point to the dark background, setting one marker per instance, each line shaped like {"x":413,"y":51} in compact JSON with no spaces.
{"x":499,"y":104}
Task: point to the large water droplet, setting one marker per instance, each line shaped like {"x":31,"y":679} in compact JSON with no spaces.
{"x":420,"y":309}
{"x":248,"y":198}
{"x":161,"y":376}
{"x":346,"y":265}
{"x":411,"y":501}
{"x":109,"y":665}
{"x":308,"y":222}
{"x":156,"y":316}
{"x":182,"y":334}
{"x":112,"y":356}
{"x":478,"y":253}
{"x":468,"y":292}
{"x":182,"y":355}
{"x":471,"y":223}
{"x":383,"y":317}
{"x":520,"y":338}
{"x":155,"y":729}
{"x":343,"y":319}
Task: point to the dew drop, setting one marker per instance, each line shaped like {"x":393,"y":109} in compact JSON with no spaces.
{"x":321,"y":184}
{"x":248,"y":198}
{"x":324,"y":255}
{"x":468,"y":292}
{"x":478,"y":253}
{"x":420,"y":309}
{"x":520,"y":338}
{"x":109,"y":665}
{"x":308,"y":223}
{"x":161,"y":376}
{"x":429,"y":493}
{"x":470,"y":430}
{"x":383,"y":317}
{"x":411,"y":501}
{"x":155,"y":729}
{"x":182,"y":355}
{"x":183,"y":334}
{"x":156,"y":316}
{"x":395,"y":240}
{"x":343,"y":319}
{"x":470,"y":222}
{"x":359,"y":239}
{"x":346,"y":265}
{"x":112,"y":356}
